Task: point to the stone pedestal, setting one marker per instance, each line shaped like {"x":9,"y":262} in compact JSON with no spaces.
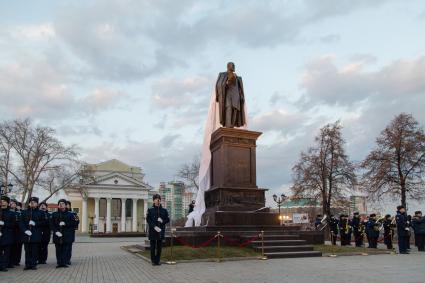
{"x":234,"y":198}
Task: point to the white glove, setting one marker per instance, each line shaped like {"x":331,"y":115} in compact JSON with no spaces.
{"x":59,"y":234}
{"x":32,"y":223}
{"x":157,"y":229}
{"x":1,"y":223}
{"x":61,"y":223}
{"x":160,"y":219}
{"x":28,"y":232}
{"x":407,"y":229}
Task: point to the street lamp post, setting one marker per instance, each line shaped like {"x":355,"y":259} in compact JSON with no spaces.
{"x":280,"y":200}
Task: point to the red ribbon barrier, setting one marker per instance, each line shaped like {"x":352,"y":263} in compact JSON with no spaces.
{"x":204,"y":244}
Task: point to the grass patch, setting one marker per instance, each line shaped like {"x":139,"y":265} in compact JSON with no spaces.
{"x":328,"y":249}
{"x":187,"y":253}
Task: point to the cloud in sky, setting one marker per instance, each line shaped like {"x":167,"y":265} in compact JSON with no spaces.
{"x":133,"y":78}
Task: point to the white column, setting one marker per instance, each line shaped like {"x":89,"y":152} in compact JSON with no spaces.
{"x":84,"y":216}
{"x":96,"y":214}
{"x":145,"y":212}
{"x":134,"y":226}
{"x":108,"y":216}
{"x":123,"y":214}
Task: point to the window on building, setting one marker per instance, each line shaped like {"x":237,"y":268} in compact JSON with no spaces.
{"x":116,"y":207}
{"x":102,"y":207}
{"x":128,"y":207}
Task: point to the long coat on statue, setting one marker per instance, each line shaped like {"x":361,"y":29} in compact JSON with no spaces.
{"x":237,"y":99}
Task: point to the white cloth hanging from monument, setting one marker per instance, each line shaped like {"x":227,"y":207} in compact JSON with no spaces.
{"x":212,"y":124}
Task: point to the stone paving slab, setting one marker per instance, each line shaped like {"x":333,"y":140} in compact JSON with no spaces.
{"x":107,"y":262}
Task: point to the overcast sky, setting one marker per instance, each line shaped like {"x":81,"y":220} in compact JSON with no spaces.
{"x":131,"y":79}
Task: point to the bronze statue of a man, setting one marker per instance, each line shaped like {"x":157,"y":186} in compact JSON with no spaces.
{"x":230,"y":97}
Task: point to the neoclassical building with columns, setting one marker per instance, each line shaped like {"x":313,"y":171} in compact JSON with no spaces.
{"x":110,"y":197}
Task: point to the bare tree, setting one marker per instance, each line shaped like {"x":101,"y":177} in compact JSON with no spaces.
{"x":71,"y":174}
{"x":35,"y":152}
{"x":5,"y":156}
{"x":189,"y":173}
{"x":324,"y":172}
{"x":396,"y":167}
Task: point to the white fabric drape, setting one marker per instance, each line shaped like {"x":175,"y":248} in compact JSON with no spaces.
{"x":212,"y":124}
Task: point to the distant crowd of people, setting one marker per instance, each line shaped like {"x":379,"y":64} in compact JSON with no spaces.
{"x":357,"y":228}
{"x":33,"y":228}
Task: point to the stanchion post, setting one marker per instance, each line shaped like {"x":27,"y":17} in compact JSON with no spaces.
{"x":171,"y":261}
{"x":218,"y":246}
{"x":263,"y":256}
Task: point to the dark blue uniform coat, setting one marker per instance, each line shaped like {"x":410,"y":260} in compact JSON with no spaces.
{"x":152,"y":220}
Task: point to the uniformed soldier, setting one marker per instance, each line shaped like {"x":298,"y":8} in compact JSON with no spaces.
{"x":418,"y":224}
{"x":333,"y":226}
{"x":157,"y":218}
{"x":32,"y":219}
{"x":76,"y":223}
{"x":344,"y":230}
{"x":388,"y":231}
{"x":373,"y":231}
{"x":16,"y":257}
{"x":62,"y":224}
{"x":45,"y":234}
{"x":403,"y":229}
{"x":358,"y":229}
{"x":7,"y":224}
{"x":13,"y":246}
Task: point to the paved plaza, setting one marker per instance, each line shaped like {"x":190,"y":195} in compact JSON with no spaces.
{"x":102,"y":260}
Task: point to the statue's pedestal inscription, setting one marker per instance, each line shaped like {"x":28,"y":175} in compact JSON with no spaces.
{"x":234,"y":198}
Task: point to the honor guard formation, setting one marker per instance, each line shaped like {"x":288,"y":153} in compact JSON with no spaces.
{"x":33,"y":228}
{"x":383,"y":229}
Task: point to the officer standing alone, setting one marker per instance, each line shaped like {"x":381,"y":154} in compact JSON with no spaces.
{"x":157,"y":218}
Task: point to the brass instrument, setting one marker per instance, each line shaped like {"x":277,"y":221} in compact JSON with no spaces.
{"x":324,"y":222}
{"x":347,"y":228}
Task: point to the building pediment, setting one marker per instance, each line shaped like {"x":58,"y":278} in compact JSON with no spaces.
{"x":118,"y":179}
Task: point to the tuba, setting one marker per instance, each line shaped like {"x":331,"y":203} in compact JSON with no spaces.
{"x":324,"y":222}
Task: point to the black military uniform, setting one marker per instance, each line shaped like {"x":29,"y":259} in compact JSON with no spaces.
{"x":418,"y":224}
{"x":156,"y":218}
{"x":333,"y":226}
{"x":30,"y":225}
{"x":388,"y":231}
{"x":17,"y":251}
{"x":62,"y":224}
{"x":76,"y":223}
{"x":344,"y":230}
{"x":373,"y":231}
{"x":7,"y":225}
{"x":358,"y":229}
{"x":45,"y":235}
{"x":403,"y":230}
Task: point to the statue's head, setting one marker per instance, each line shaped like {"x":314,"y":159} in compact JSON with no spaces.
{"x":231,"y":66}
